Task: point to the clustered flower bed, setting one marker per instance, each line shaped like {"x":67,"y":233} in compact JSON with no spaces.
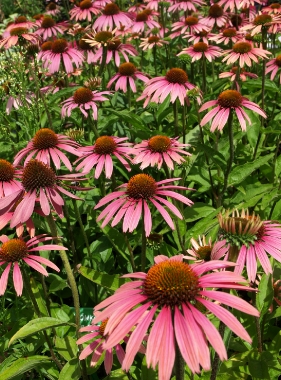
{"x":140,"y":162}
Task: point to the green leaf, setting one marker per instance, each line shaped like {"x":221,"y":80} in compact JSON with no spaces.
{"x":265,"y":294}
{"x":112,"y":282}
{"x":147,"y":373}
{"x":197,"y":211}
{"x":22,"y":365}
{"x":37,"y":325}
{"x":253,"y":129}
{"x":57,"y":283}
{"x":214,"y":155}
{"x":278,"y":166}
{"x":71,"y":370}
{"x":66,"y":347}
{"x":130,"y":118}
{"x":258,"y":366}
{"x":40,"y":302}
{"x":239,"y":173}
{"x":118,"y":374}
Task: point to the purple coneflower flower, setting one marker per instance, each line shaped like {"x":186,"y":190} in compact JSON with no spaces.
{"x":143,"y":20}
{"x":84,"y":10}
{"x":200,"y":49}
{"x":115,"y":49}
{"x":48,"y":28}
{"x":16,"y":251}
{"x":19,"y":36}
{"x":127,"y":74}
{"x":273,"y":66}
{"x":245,"y":53}
{"x":129,"y":204}
{"x":169,"y":298}
{"x":112,"y":17}
{"x":216,"y":17}
{"x":227,"y":101}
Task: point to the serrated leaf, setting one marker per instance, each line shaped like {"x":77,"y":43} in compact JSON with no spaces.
{"x":22,"y":365}
{"x":112,"y":282}
{"x":37,"y":325}
{"x":71,"y":370}
{"x":239,"y":173}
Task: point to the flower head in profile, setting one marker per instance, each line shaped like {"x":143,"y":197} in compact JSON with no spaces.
{"x":47,"y":146}
{"x":273,"y":8}
{"x":166,"y":302}
{"x":84,"y":99}
{"x":200,"y":49}
{"x":203,"y":250}
{"x":15,"y":252}
{"x":127,"y":74}
{"x":227,"y":35}
{"x":8,"y":183}
{"x":273,"y":66}
{"x":96,"y":347}
{"x":245,"y":53}
{"x":158,"y":150}
{"x":61,"y":52}
{"x":186,"y":5}
{"x":229,"y":100}
{"x":242,"y":74}
{"x":250,"y":240}
{"x":39,"y":183}
{"x":216,"y":17}
{"x":53,"y":9}
{"x":115,"y":50}
{"x":20,"y":22}
{"x":174,"y":83}
{"x":202,"y":36}
{"x":189,"y":24}
{"x":84,"y":10}
{"x":134,"y":198}
{"x":49,"y":28}
{"x":143,"y":21}
{"x":111,"y":18}
{"x":100,"y":155}
{"x":272,"y":23}
{"x":151,"y":42}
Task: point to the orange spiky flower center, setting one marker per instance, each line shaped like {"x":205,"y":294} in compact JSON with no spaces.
{"x":242,"y":47}
{"x":83,"y":95}
{"x":59,"y":46}
{"x":103,"y":36}
{"x":171,"y":283}
{"x":230,"y":99}
{"x":103,"y":326}
{"x":20,"y":19}
{"x":141,"y":186}
{"x":48,"y":22}
{"x":111,"y":9}
{"x":215,"y":11}
{"x":127,"y":69}
{"x":159,"y":144}
{"x":37,"y":175}
{"x":18,"y":31}
{"x":47,"y":46}
{"x":200,"y":47}
{"x":262,"y":19}
{"x":105,"y":145}
{"x":191,"y":20}
{"x":13,"y":250}
{"x":142,"y":16}
{"x":177,"y":76}
{"x":85,"y":4}
{"x":45,"y":138}
{"x":7,"y":171}
{"x":230,"y":32}
{"x":153,"y":39}
{"x":275,"y":6}
{"x":204,"y":252}
{"x":278,"y":60}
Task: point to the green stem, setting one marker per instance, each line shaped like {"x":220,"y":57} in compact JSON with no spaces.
{"x":154,"y":59}
{"x":132,"y":259}
{"x":216,"y":361}
{"x":38,"y":313}
{"x":143,"y":244}
{"x":183,"y":122}
{"x":179,"y":364}
{"x":176,"y":118}
{"x":78,"y":216}
{"x":231,"y":158}
{"x":103,"y":60}
{"x":204,"y":74}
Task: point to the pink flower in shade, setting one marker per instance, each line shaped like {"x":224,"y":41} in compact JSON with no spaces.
{"x":199,"y":50}
{"x":202,"y":36}
{"x":264,"y":21}
{"x":236,"y":4}
{"x":158,"y":150}
{"x":273,"y":66}
{"x":100,"y":155}
{"x":233,"y":72}
{"x":96,"y":347}
{"x":48,"y":28}
{"x":85,"y":10}
{"x":272,"y":8}
{"x":21,"y":22}
{"x":185,"y":6}
{"x":46,"y":146}
{"x":151,"y":41}
{"x":238,"y":20}
{"x":127,"y":74}
{"x":18,"y":36}
{"x":229,"y":100}
{"x":175,"y":84}
{"x":186,"y":24}
{"x":115,"y":49}
{"x":133,"y":200}
{"x":142,"y":21}
{"x":112,"y":17}
{"x":39,"y":183}
{"x":136,"y":8}
{"x":84,"y":99}
{"x":61,"y":52}
{"x":245,"y":53}
{"x":251,"y":240}
{"x":16,"y":251}
{"x":87,"y":49}
{"x":216,"y":17}
{"x":227,"y":35}
{"x":203,"y":251}
{"x":169,"y":299}
{"x":52,"y":9}
{"x":8,"y":183}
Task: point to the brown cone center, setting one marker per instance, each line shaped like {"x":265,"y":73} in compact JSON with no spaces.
{"x":111,"y":9}
{"x":37,"y":175}
{"x":127,"y":69}
{"x":159,"y":144}
{"x":13,"y":250}
{"x":83,"y":95}
{"x":45,"y":138}
{"x":242,"y":47}
{"x":7,"y":171}
{"x":59,"y":46}
{"x":176,"y":76}
{"x":230,"y":99}
{"x":105,"y":145}
{"x":141,"y":186}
